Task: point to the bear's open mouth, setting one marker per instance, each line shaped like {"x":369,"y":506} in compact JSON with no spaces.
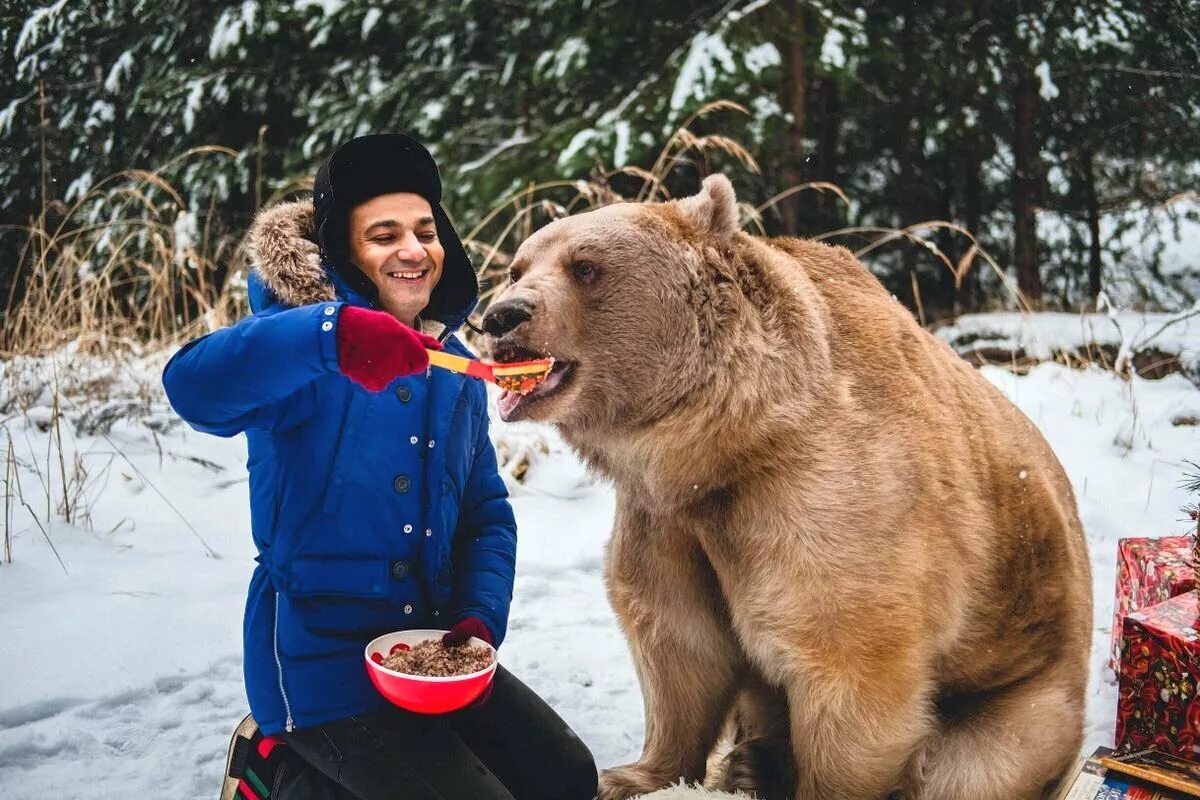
{"x":510,"y":401}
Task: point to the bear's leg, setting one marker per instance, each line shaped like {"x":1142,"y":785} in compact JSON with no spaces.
{"x":688,"y":663}
{"x":760,"y":763}
{"x":1012,"y":744}
{"x":687,"y":688}
{"x":853,"y":732}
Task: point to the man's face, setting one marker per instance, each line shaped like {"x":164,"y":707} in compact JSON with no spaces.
{"x":394,"y":242}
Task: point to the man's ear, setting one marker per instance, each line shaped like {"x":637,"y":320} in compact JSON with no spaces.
{"x":714,"y":209}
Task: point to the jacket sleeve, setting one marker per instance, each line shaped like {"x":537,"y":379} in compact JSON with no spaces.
{"x":487,"y":557}
{"x":240,"y":377}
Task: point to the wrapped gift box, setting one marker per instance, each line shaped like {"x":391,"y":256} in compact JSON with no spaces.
{"x":1157,"y":701}
{"x":1148,"y":572}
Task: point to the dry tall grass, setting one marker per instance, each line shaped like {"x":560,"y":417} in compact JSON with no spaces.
{"x":120,"y":269}
{"x":497,"y":235}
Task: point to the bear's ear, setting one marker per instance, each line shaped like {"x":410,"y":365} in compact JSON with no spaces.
{"x":714,"y":210}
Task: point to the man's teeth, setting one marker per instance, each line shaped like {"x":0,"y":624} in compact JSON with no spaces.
{"x":410,"y":276}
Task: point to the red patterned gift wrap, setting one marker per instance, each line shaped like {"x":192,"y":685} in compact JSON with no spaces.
{"x":1148,"y":572}
{"x":1157,"y":701}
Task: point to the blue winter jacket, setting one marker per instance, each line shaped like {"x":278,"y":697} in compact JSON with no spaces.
{"x":371,"y":512}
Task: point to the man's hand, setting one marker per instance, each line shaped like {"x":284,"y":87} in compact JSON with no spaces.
{"x":462,"y":631}
{"x":374,"y":347}
{"x":459,"y":634}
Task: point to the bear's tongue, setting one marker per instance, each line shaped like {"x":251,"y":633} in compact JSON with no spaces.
{"x":507,"y":403}
{"x":509,"y":400}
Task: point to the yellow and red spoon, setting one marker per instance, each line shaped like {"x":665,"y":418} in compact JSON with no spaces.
{"x":521,"y":377}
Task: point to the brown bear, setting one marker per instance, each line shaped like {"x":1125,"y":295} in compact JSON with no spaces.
{"x":828,"y":525}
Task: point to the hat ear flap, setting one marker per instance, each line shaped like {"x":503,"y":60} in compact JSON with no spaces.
{"x":714,"y":209}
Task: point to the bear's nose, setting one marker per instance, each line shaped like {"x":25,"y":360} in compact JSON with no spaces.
{"x":506,"y":315}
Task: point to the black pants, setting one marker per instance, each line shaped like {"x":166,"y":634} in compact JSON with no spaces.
{"x":512,"y":747}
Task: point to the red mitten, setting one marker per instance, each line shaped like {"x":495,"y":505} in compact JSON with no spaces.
{"x":374,"y":347}
{"x":461,"y":631}
{"x":459,"y":634}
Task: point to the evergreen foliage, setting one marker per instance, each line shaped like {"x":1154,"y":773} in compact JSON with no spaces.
{"x":1057,"y":133}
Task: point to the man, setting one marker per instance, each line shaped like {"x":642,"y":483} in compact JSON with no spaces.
{"x":375,"y":500}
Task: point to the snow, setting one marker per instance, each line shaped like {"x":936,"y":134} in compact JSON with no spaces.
{"x":41,"y":21}
{"x":79,"y":187}
{"x":1048,"y":90}
{"x":832,"y":53}
{"x":1151,"y":253}
{"x":187,"y":233}
{"x":761,"y":56}
{"x":122,"y":667}
{"x":621,"y":148}
{"x":8,"y":114}
{"x":328,"y":7}
{"x":570,"y":55}
{"x":580,"y":140}
{"x":749,"y":8}
{"x":118,"y":72}
{"x":1045,"y":335}
{"x":516,"y":139}
{"x":369,"y":21}
{"x":195,"y":96}
{"x":707,"y":56}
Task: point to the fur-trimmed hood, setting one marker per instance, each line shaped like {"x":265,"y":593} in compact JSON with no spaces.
{"x":289,"y":267}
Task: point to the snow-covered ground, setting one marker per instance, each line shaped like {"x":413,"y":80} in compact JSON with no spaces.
{"x":1047,"y":335}
{"x":120,"y":667}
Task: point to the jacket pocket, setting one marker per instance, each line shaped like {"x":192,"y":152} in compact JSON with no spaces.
{"x":315,"y":576}
{"x":335,"y":604}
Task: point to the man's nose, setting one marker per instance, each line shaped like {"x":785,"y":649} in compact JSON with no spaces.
{"x":506,"y":315}
{"x":410,"y":248}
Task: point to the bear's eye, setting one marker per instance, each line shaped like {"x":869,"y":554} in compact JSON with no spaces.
{"x":514,"y":275}
{"x":584,"y":270}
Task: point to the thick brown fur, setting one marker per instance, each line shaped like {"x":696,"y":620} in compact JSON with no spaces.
{"x":281,"y":245}
{"x":825,"y":518}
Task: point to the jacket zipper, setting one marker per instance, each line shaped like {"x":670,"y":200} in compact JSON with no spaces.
{"x":279,"y":666}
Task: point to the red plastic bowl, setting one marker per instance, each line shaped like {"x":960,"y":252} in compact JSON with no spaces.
{"x":419,"y":693}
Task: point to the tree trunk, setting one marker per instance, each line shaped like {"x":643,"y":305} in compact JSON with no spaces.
{"x":1093,"y":221}
{"x":969,"y":287}
{"x":1026,"y":172}
{"x":905,"y":190}
{"x":827,"y":150}
{"x":795,"y":85}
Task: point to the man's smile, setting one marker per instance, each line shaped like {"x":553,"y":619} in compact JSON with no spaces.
{"x":408,"y":275}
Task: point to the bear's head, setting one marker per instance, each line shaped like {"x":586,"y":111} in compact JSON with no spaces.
{"x":629,"y":300}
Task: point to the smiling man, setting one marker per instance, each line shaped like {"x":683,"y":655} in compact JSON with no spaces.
{"x":376,"y":504}
{"x":394,"y":242}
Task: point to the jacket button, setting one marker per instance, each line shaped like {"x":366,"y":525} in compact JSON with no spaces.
{"x":403,"y":394}
{"x":408,"y":528}
{"x":407,"y":609}
{"x":429,"y":532}
{"x":329,"y":311}
{"x":399,"y":569}
{"x":401,"y":483}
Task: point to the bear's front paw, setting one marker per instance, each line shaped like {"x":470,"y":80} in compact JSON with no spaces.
{"x":631,"y":780}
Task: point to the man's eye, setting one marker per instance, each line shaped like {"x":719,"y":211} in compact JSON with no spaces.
{"x":383,"y":239}
{"x":427,"y":237}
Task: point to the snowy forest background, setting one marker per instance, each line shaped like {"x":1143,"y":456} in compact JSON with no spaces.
{"x":1022,"y":175}
{"x":1065,"y":137}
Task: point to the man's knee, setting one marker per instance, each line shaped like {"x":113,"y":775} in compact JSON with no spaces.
{"x":577,"y":770}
